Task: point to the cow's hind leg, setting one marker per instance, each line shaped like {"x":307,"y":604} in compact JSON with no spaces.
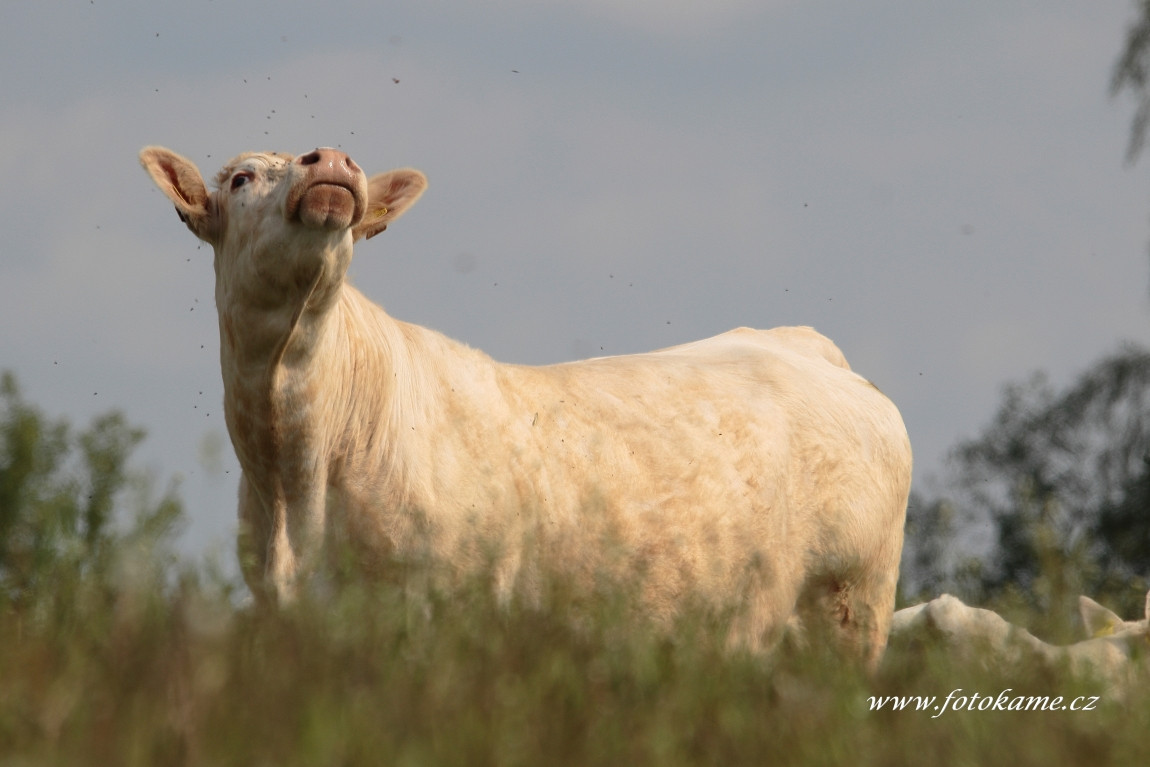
{"x":850,"y":615}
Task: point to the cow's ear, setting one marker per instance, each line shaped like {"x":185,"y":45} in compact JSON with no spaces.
{"x":1099,"y":621}
{"x":180,"y":180}
{"x":389,"y":195}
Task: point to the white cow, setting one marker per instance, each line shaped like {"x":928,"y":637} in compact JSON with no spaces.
{"x":752,"y":468}
{"x":984,"y":638}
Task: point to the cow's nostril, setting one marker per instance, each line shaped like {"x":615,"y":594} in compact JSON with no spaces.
{"x":311,"y":158}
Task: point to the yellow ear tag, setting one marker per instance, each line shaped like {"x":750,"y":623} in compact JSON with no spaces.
{"x":379,"y":214}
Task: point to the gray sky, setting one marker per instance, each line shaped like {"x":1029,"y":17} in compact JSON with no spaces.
{"x":939,"y":187}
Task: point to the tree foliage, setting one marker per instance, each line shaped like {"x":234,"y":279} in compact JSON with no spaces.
{"x":1132,"y":73}
{"x":60,"y":494}
{"x":1058,"y":486}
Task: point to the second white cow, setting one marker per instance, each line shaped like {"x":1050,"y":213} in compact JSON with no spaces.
{"x":984,"y":639}
{"x":752,"y":469}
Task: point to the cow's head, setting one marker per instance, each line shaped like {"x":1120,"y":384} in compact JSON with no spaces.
{"x":1101,"y":622}
{"x":281,"y":222}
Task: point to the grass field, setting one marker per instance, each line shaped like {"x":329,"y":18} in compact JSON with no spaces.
{"x":154,"y":664}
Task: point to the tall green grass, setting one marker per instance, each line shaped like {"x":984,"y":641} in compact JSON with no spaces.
{"x":146,"y":661}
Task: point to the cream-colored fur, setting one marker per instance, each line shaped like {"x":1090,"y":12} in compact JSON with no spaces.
{"x":751,"y":470}
{"x":986,"y":639}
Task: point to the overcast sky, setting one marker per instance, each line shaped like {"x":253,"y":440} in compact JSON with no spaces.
{"x":939,"y":187}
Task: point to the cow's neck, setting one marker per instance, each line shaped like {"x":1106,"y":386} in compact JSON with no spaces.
{"x":270,"y":357}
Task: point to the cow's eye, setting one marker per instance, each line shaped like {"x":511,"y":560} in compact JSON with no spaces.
{"x":240,"y":179}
